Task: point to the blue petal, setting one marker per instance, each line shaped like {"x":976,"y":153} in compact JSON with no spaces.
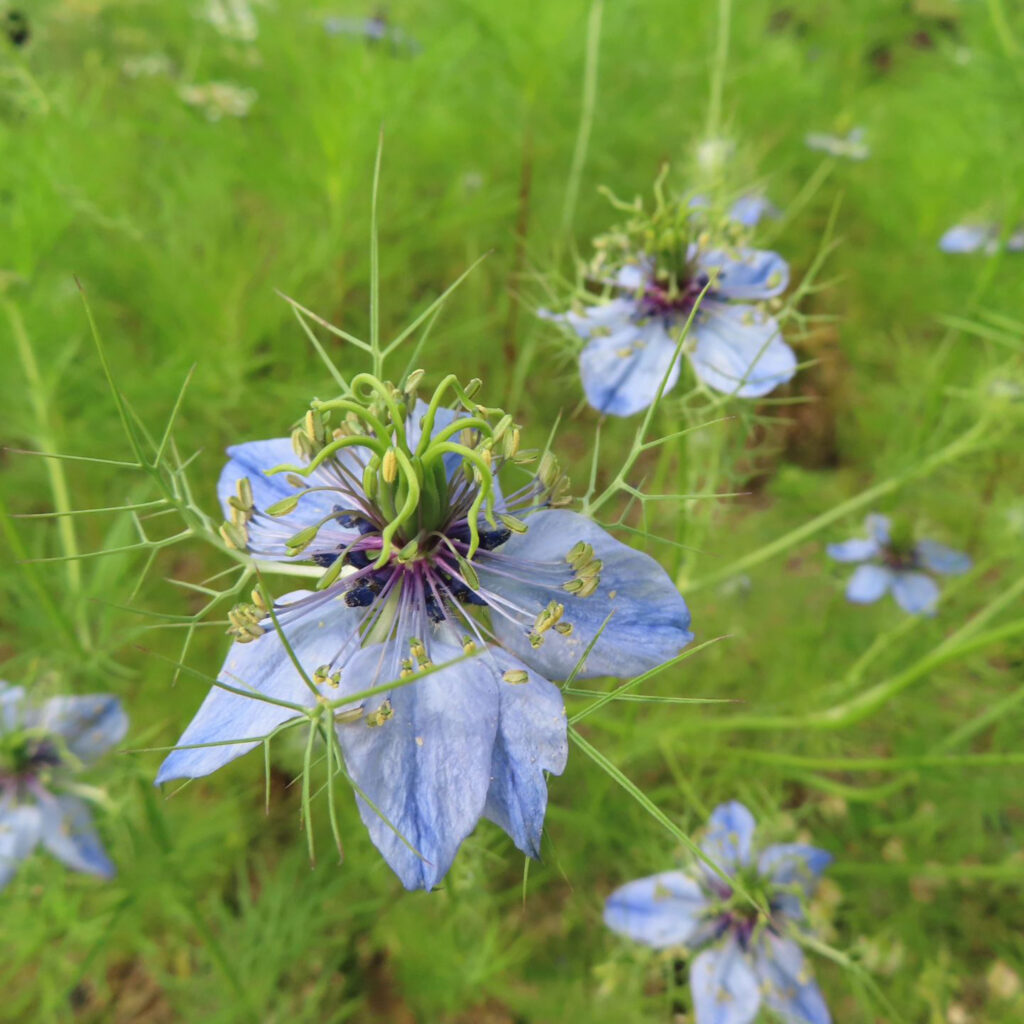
{"x":789,"y":864}
{"x":746,"y":274}
{"x":729,"y":835}
{"x":263,"y":666}
{"x":724,"y":987}
{"x":633,"y":276}
{"x":879,"y":527}
{"x":426,"y":768}
{"x":253,"y":460}
{"x":915,"y":592}
{"x":649,"y":622}
{"x":10,"y":702}
{"x":20,"y":826}
{"x":740,"y":351}
{"x":941,"y":559}
{"x":787,"y":984}
{"x":661,"y":910}
{"x":90,"y":725}
{"x":622,"y":371}
{"x":530,"y":741}
{"x":68,"y":833}
{"x":598,"y":319}
{"x":868,"y":584}
{"x":856,"y":550}
{"x":968,"y":238}
{"x":751,"y":209}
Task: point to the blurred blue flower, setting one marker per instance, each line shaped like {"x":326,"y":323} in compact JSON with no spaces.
{"x":897,"y":566}
{"x":963,"y":238}
{"x":734,"y":347}
{"x":852,"y":146}
{"x":41,"y":749}
{"x":513,"y":585}
{"x":747,"y":957}
{"x":972,"y":237}
{"x":375,"y":29}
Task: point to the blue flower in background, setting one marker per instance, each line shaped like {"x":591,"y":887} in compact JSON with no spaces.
{"x":972,"y":237}
{"x":963,"y":238}
{"x":746,"y":956}
{"x":852,"y":146}
{"x":898,"y":566}
{"x":375,"y":29}
{"x":426,"y":561}
{"x":41,"y":748}
{"x":734,"y":347}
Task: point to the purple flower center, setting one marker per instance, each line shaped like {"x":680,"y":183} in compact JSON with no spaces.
{"x":24,"y":757}
{"x":900,"y":559}
{"x":660,"y":299}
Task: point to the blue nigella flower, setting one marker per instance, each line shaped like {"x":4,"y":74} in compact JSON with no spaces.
{"x":852,"y":146}
{"x":898,"y":566}
{"x":426,"y":561}
{"x":974,"y":237}
{"x":41,"y":748}
{"x":747,"y":957}
{"x":734,"y":347}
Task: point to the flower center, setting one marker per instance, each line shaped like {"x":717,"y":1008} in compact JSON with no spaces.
{"x":674,"y":298}
{"x":406,"y":509}
{"x":900,"y":557}
{"x":26,"y":754}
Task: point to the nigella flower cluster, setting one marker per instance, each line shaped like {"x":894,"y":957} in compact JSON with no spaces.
{"x":898,"y":564}
{"x":673,"y":271}
{"x":455,"y":603}
{"x":748,"y":956}
{"x":41,"y":751}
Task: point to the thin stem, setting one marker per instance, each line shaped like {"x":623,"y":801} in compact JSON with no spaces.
{"x":588,"y":107}
{"x":54,"y":470}
{"x":718,"y":69}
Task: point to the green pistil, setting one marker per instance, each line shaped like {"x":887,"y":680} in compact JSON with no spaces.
{"x":409,"y":487}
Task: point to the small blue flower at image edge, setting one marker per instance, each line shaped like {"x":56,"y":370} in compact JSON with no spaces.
{"x":734,"y":346}
{"x":745,"y":957}
{"x":41,"y":750}
{"x":898,"y":566}
{"x":426,"y":562}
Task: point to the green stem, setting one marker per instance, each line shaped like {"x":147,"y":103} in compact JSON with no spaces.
{"x":587,"y":110}
{"x":54,"y":471}
{"x":718,"y":69}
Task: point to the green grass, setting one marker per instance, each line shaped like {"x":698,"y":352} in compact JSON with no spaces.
{"x":180,"y":232}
